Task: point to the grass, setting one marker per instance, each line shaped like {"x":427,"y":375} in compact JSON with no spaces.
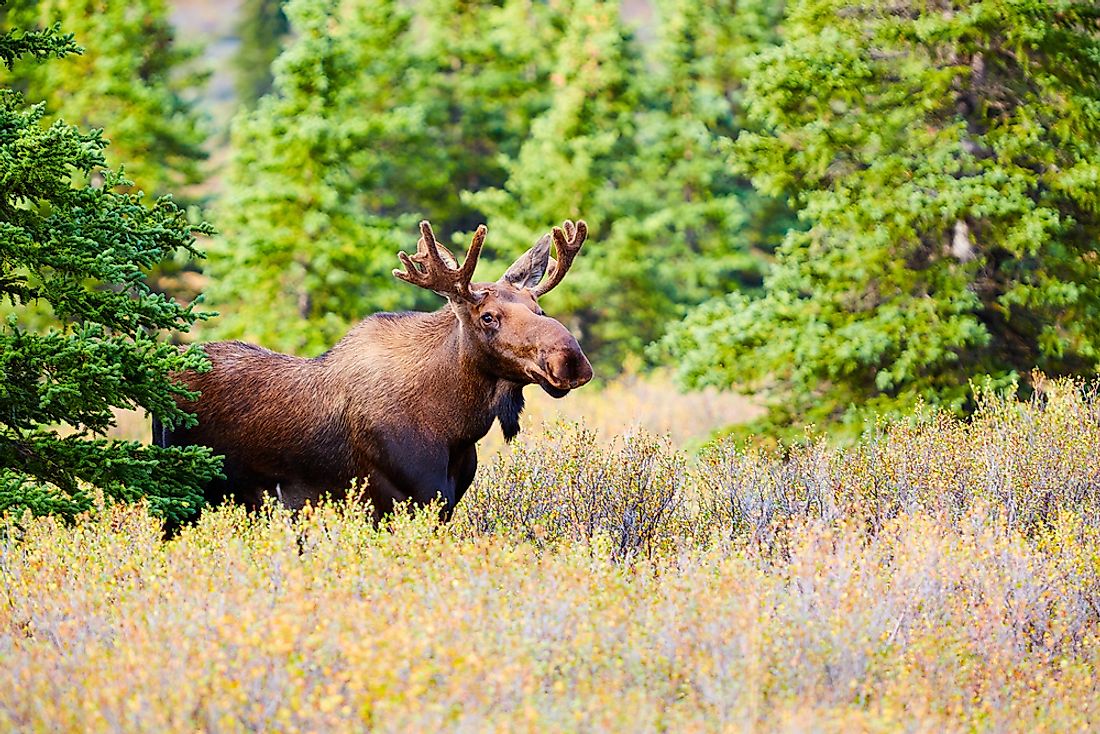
{"x":938,"y":576}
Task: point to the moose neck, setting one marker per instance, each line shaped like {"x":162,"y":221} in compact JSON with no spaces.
{"x":425,"y":362}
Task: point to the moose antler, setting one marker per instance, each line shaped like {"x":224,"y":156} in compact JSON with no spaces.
{"x":566,"y":246}
{"x":435,"y":268}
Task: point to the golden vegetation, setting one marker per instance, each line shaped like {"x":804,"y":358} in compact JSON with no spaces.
{"x":650,"y":402}
{"x":938,"y":576}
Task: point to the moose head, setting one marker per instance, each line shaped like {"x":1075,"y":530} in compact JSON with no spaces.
{"x":502,"y":322}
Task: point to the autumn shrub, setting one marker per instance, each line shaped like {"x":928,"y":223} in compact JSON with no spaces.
{"x":1023,"y":461}
{"x":751,"y":492}
{"x":562,"y":484}
{"x":324,"y":622}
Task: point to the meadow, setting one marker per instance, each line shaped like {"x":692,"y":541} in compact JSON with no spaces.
{"x":938,"y":575}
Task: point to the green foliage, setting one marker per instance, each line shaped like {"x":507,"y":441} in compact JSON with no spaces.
{"x":480,"y":76}
{"x":379,"y":115}
{"x":130,"y":78}
{"x":946,"y":158}
{"x":636,"y":152}
{"x":309,"y":225}
{"x":80,"y":252}
{"x":704,"y":50}
{"x":261,"y":27}
{"x":38,"y":44}
{"x":563,"y":170}
{"x":520,"y":113}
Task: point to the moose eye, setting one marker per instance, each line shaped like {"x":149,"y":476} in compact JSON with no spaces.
{"x":488,"y":318}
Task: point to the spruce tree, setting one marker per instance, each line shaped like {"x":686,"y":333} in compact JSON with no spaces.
{"x":481,"y":75}
{"x":79,"y":250}
{"x":703,"y":50}
{"x":636,"y":149}
{"x":946,"y":159}
{"x":566,"y":169}
{"x":309,"y":224}
{"x":261,"y":27}
{"x":133,"y":80}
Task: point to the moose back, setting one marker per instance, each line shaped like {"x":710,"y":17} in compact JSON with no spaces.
{"x":402,"y":399}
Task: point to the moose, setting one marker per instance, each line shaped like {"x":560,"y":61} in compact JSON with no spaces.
{"x":402,"y":400}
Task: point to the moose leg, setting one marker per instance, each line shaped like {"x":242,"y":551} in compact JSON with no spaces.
{"x":291,"y":494}
{"x":241,"y":484}
{"x":422,"y":482}
{"x":462,"y":470}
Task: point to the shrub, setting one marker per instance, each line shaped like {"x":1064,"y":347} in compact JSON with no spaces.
{"x":1023,"y":461}
{"x":561,"y":485}
{"x":940,"y":575}
{"x":323,"y":622}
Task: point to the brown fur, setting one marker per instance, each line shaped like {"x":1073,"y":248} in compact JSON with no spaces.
{"x":401,"y":400}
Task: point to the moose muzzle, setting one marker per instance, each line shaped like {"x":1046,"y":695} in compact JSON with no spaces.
{"x":565,"y":367}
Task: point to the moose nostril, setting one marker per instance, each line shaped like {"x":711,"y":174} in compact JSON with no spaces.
{"x":586,"y":373}
{"x":568,"y":367}
{"x":556,"y":366}
{"x":581,"y":371}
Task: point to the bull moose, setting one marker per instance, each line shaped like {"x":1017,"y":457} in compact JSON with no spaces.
{"x":402,"y":399}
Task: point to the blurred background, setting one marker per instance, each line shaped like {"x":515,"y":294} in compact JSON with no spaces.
{"x":803,"y":213}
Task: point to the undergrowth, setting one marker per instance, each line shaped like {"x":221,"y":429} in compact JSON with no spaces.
{"x":1022,"y":462}
{"x":940,"y":575}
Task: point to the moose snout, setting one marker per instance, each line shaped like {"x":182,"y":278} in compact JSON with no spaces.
{"x":567,"y":367}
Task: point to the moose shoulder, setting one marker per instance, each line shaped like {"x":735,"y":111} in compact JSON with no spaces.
{"x":402,"y":399}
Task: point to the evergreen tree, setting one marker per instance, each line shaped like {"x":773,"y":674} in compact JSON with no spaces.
{"x":481,"y":75}
{"x":946,"y":157}
{"x":131,"y":80}
{"x":636,"y":151}
{"x":80,"y":252}
{"x":380,"y":114}
{"x":566,"y":169}
{"x":703,"y":53}
{"x":309,"y":223}
{"x":261,"y":27}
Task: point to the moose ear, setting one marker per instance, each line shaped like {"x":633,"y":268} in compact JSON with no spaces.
{"x":527,"y":271}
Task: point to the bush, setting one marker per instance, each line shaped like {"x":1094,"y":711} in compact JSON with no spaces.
{"x":1023,"y":461}
{"x":324,"y":622}
{"x":939,"y":576}
{"x":560,"y":485}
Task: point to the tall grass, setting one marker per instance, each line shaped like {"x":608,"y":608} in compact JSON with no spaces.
{"x":938,"y":576}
